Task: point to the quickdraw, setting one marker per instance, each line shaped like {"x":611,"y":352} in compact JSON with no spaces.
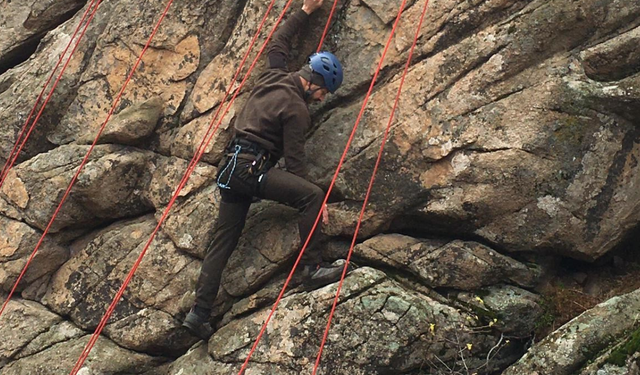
{"x":233,"y":162}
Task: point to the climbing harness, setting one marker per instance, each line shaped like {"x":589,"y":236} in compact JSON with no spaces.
{"x":259,"y":165}
{"x":241,"y":148}
{"x":261,"y":157}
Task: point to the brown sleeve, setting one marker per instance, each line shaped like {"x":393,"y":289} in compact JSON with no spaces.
{"x":281,"y":44}
{"x":294,"y":126}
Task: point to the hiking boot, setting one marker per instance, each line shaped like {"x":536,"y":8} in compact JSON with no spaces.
{"x":317,"y":276}
{"x":198,"y":325}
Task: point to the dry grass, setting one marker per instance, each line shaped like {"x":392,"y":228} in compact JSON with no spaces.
{"x":564,"y":298}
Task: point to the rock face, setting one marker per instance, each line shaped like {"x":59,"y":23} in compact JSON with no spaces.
{"x":40,"y":342}
{"x":516,"y":137}
{"x":144,"y":321}
{"x":15,"y":249}
{"x":379,"y":327}
{"x":507,"y":137}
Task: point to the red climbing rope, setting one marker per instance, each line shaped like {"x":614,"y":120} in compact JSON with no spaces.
{"x":190,"y":169}
{"x":94,"y":338}
{"x":326,"y":27}
{"x":208,"y":135}
{"x":373,"y":175}
{"x":17,"y":148}
{"x":326,"y":198}
{"x":12,"y":160}
{"x":203,"y":145}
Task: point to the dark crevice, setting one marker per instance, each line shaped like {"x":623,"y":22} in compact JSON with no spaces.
{"x":524,"y":11}
{"x":461,"y":75}
{"x":495,"y":100}
{"x":320,"y":115}
{"x":354,"y":295}
{"x":24,"y":50}
{"x":218,"y":45}
{"x":482,"y":150}
{"x":623,"y":28}
{"x":162,"y":357}
{"x":596,"y":214}
{"x":49,"y":345}
{"x":627,"y":23}
{"x":402,"y":316}
{"x":20,"y":54}
{"x":428,"y":230}
{"x":628,"y":249}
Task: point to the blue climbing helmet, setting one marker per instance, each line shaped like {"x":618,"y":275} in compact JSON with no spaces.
{"x":327,"y":65}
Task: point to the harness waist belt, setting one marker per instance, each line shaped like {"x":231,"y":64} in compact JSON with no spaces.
{"x":247,"y":147}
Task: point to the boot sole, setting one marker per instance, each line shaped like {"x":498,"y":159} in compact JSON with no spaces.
{"x":196,"y":330}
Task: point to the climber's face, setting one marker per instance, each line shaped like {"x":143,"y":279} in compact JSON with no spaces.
{"x":318,"y":94}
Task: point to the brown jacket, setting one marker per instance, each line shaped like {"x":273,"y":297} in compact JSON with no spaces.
{"x":276,"y":115}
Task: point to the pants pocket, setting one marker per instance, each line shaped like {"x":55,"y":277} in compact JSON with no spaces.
{"x":234,"y":175}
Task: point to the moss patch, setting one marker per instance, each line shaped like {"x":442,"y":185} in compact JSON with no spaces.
{"x":571,"y":131}
{"x":619,"y":356}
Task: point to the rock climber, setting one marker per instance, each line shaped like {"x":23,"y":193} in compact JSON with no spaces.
{"x":271,"y":125}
